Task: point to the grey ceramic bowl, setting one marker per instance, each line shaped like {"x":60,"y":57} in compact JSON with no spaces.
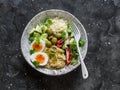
{"x":38,"y":19}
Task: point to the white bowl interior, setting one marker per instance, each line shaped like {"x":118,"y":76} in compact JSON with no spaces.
{"x":39,"y":19}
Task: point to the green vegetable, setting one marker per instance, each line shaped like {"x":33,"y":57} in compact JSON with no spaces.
{"x":39,"y":29}
{"x":63,"y":35}
{"x":73,"y":47}
{"x":36,"y":63}
{"x":73,"y":44}
{"x":54,"y":40}
{"x":48,"y":22}
{"x":74,"y":53}
{"x":69,"y":29}
{"x":33,"y":30}
{"x":49,"y":32}
{"x":32,"y":51}
{"x":44,"y":36}
{"x":36,"y":34}
{"x":31,"y":37}
{"x":65,"y":44}
{"x":52,"y":53}
{"x":68,"y":25}
{"x":72,"y":34}
{"x":37,"y":37}
{"x":36,"y":29}
{"x":48,"y":43}
{"x":37,"y":40}
{"x":74,"y":62}
{"x":44,"y":28}
{"x":81,"y":42}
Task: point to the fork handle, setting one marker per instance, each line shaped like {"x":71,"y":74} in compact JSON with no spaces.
{"x":83,"y":66}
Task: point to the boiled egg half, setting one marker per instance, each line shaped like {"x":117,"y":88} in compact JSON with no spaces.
{"x":38,"y":47}
{"x":40,"y":57}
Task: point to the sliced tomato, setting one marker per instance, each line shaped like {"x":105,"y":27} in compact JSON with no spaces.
{"x":68,"y":56}
{"x":60,"y":43}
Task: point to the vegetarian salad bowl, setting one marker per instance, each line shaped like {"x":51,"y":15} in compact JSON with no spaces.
{"x":48,"y":43}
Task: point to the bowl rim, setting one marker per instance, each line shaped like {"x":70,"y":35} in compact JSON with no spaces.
{"x":68,"y":14}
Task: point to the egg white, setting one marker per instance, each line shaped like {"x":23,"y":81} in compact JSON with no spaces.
{"x":33,"y":56}
{"x":43,"y":45}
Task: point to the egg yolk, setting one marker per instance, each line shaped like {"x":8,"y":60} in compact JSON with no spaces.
{"x":40,"y":58}
{"x":37,"y":47}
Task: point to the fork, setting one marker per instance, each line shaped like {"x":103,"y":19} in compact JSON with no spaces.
{"x":77,"y":36}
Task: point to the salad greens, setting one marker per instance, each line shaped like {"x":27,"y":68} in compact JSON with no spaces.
{"x":74,"y":62}
{"x":81,"y":42}
{"x":44,"y":36}
{"x":66,"y":43}
{"x":69,"y":29}
{"x":31,"y":38}
{"x":32,"y":51}
{"x":36,"y":63}
{"x":37,"y":40}
{"x":44,"y":28}
{"x":63,"y":35}
{"x":48,"y":22}
{"x":73,"y":47}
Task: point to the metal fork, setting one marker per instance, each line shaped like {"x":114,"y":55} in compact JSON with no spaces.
{"x":77,"y":36}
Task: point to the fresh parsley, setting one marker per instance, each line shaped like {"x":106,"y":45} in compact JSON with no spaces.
{"x":63,"y":35}
{"x":74,"y":62}
{"x":32,"y":51}
{"x":36,"y":63}
{"x":37,"y":40}
{"x":73,"y":45}
{"x":74,"y":53}
{"x":48,"y":22}
{"x":81,"y":42}
{"x":69,"y":29}
{"x":31,"y":37}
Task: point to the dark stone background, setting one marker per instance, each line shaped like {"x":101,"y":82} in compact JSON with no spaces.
{"x":101,"y":19}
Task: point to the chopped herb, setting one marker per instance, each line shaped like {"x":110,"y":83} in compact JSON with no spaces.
{"x":63,"y":35}
{"x":48,"y":22}
{"x":69,"y":29}
{"x":81,"y":42}
{"x":74,"y":62}
{"x":31,"y":38}
{"x":52,"y":53}
{"x":36,"y":37}
{"x":73,"y":45}
{"x":36,"y":63}
{"x":68,"y":25}
{"x":36,"y":34}
{"x":74,"y":53}
{"x":32,"y":51}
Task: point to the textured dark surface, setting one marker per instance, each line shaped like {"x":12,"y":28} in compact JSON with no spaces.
{"x":101,"y":19}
